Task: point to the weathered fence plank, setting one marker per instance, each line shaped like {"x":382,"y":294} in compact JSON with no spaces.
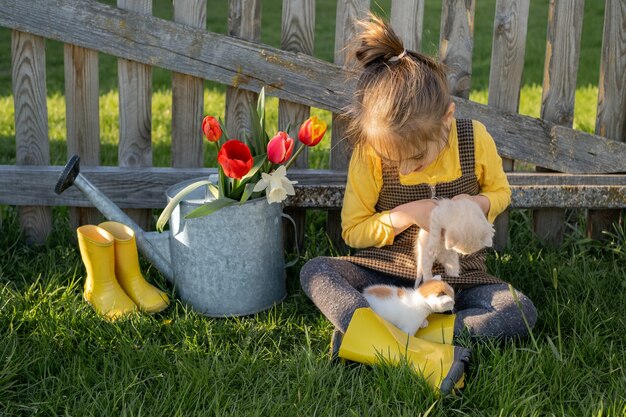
{"x":345,"y":29}
{"x":565,"y":21}
{"x":244,"y":21}
{"x":135,"y":95}
{"x":407,"y":19}
{"x":287,"y":75}
{"x":611,"y":117}
{"x":28,"y":62}
{"x":456,"y":43}
{"x":188,"y":96}
{"x":128,"y":187}
{"x":505,"y":77}
{"x":297,"y":35}
{"x":82,"y":117}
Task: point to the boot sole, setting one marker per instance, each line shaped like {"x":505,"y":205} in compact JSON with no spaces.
{"x":457,"y":370}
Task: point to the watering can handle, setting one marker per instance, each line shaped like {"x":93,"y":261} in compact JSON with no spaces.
{"x":295,"y":232}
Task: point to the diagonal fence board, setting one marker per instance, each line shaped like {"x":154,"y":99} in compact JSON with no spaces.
{"x":291,"y":76}
{"x":145,"y":188}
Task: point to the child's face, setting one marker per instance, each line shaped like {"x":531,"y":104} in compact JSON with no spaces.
{"x":410,"y":165}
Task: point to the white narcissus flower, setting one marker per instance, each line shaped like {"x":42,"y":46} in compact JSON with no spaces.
{"x":276,"y":185}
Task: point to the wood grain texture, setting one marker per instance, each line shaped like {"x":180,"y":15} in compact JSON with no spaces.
{"x":565,"y":20}
{"x":505,"y":77}
{"x":135,"y":95}
{"x":348,"y":12}
{"x":407,"y":20}
{"x":456,"y":43}
{"x":28,"y":66}
{"x":297,"y":35}
{"x":611,"y":116}
{"x":287,"y":75}
{"x":188,"y":96}
{"x":244,"y":21}
{"x":128,"y":187}
{"x":82,"y":117}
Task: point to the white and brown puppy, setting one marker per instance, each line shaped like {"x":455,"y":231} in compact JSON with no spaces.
{"x":408,"y":308}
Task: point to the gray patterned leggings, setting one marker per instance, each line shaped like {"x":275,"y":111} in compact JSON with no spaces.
{"x":491,"y":310}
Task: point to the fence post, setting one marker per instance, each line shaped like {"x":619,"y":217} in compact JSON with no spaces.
{"x":611,"y":117}
{"x":456,"y":43}
{"x":188,"y":97}
{"x":82,"y":117}
{"x":297,"y":34}
{"x":565,"y":21}
{"x":347,"y":12}
{"x":505,"y":77}
{"x":244,"y":21}
{"x":135,"y":84}
{"x":407,"y":20}
{"x":28,"y":62}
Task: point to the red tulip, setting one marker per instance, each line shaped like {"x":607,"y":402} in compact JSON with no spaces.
{"x":235,"y":159}
{"x":211,"y":129}
{"x":279,"y":148}
{"x":312,"y":131}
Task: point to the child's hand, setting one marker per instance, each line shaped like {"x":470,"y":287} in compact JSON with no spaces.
{"x":413,"y":213}
{"x":481,"y":200}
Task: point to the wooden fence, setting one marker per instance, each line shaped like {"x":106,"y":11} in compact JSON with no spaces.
{"x":575,"y":165}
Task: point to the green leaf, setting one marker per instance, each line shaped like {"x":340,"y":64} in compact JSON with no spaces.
{"x":169,"y":209}
{"x":260,"y":108}
{"x":210,"y":207}
{"x":259,"y":162}
{"x":247,"y":192}
{"x":213,"y":189}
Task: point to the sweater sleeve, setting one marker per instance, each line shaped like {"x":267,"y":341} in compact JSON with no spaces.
{"x":362,"y":226}
{"x":491,"y":176}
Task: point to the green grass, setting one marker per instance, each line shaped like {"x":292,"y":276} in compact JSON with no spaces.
{"x":58,"y":358}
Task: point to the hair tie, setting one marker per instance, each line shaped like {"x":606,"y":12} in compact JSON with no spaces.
{"x":398,"y":57}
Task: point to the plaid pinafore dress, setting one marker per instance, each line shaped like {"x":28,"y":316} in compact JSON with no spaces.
{"x":398,"y":259}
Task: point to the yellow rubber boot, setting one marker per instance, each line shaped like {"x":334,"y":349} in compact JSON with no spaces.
{"x":149,"y":298}
{"x":102,"y":290}
{"x":440,"y":328}
{"x":370,"y":339}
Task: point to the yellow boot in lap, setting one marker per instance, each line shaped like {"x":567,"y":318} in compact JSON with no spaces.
{"x":102,"y":290}
{"x":369,"y":338}
{"x":440,"y":328}
{"x":149,"y":298}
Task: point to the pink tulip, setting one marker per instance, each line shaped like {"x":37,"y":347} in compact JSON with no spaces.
{"x":279,"y":148}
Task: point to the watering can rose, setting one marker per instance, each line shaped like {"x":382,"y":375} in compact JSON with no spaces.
{"x":279,"y":148}
{"x":235,"y":159}
{"x":211,"y":129}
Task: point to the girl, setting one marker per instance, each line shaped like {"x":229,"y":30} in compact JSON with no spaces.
{"x":408,"y":151}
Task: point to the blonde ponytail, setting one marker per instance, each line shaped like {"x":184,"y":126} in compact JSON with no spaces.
{"x":401,"y":97}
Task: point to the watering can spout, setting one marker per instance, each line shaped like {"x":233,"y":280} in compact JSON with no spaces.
{"x":154,"y":246}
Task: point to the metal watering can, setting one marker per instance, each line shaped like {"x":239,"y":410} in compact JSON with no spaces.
{"x":229,"y":263}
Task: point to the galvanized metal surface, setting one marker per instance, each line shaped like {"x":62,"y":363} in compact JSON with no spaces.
{"x":230,"y":262}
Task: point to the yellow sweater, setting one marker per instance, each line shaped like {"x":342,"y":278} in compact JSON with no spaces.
{"x":363,"y":227}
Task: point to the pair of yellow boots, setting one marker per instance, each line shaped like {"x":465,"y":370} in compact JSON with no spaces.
{"x":370,"y":339}
{"x":115,"y":286}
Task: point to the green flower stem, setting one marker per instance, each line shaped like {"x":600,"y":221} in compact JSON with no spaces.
{"x":295,"y":156}
{"x":221,"y":177}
